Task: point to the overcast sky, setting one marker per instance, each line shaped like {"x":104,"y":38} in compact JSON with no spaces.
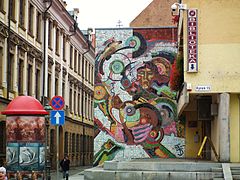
{"x":106,"y":13}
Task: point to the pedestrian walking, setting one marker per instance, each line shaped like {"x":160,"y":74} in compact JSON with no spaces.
{"x":65,"y":167}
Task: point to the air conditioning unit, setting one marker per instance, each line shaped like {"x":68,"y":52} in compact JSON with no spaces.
{"x":204,"y":108}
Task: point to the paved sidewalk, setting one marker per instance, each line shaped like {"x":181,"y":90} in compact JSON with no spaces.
{"x":78,"y":176}
{"x":76,"y":173}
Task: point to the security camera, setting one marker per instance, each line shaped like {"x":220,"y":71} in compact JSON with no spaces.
{"x":174,"y":7}
{"x":180,"y":6}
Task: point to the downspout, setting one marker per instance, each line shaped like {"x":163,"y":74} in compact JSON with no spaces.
{"x":83,"y":55}
{"x":8,"y":47}
{"x":47,"y":162}
{"x":44,"y":52}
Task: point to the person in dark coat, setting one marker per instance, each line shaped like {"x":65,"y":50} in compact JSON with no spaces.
{"x":65,"y":166}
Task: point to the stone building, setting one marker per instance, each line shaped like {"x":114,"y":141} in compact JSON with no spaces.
{"x":43,"y":53}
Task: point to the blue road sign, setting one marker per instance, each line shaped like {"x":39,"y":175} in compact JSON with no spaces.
{"x":57,"y":117}
{"x":57,"y":102}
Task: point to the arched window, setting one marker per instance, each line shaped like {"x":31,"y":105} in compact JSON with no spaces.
{"x":87,"y":143}
{"x":66,"y":143}
{"x":81,"y":144}
{"x":52,"y":141}
{"x":77,"y":144}
{"x":73,"y":143}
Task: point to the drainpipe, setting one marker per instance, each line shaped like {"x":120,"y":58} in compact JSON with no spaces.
{"x":44,"y":103}
{"x":45,"y":51}
{"x":83,"y":55}
{"x":8,"y":53}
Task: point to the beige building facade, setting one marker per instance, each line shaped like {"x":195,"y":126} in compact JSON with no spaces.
{"x":44,"y":54}
{"x":211,"y":93}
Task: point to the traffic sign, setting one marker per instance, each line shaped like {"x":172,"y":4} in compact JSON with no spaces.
{"x":57,"y":102}
{"x":57,"y":117}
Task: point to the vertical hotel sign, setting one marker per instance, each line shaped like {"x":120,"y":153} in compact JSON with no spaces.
{"x":192,"y":40}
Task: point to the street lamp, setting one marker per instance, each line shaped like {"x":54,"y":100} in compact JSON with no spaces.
{"x":48,"y":108}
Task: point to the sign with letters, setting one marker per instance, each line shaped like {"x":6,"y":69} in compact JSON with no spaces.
{"x":192,"y":40}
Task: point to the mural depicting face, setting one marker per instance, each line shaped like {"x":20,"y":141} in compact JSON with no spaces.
{"x":134,"y":105}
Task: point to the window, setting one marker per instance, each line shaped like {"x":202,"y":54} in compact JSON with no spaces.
{"x":81,"y":144}
{"x":86,"y":143}
{"x":91,"y":144}
{"x":20,"y":76}
{"x":57,"y":41}
{"x":89,"y":108}
{"x":1,"y":5}
{"x":75,"y":60}
{"x":85,"y":105}
{"x":73,"y":143}
{"x":71,"y":55}
{"x":39,"y":21}
{"x":77,"y":144}
{"x":29,"y":79}
{"x":79,"y":63}
{"x":75,"y":103}
{"x":79,"y":102}
{"x":63,"y":89}
{"x":30,"y":19}
{"x":92,"y":110}
{"x":70,"y":100}
{"x":1,"y":66}
{"x":82,"y":65}
{"x":22,"y":13}
{"x":11,"y":72}
{"x":49,"y":85}
{"x":52,"y":141}
{"x":50,"y":34}
{"x":66,"y":143}
{"x":92,"y":75}
{"x":37,"y":84}
{"x":86,"y":71}
{"x":64,"y":47}
{"x":12,"y":9}
{"x":89,"y":72}
{"x":56,"y":86}
{"x":70,"y":143}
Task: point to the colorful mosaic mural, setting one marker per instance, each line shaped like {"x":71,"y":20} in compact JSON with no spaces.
{"x":135,"y":109}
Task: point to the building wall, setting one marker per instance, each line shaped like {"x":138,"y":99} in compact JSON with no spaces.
{"x":218,"y":45}
{"x":218,"y":51}
{"x":234,"y":128}
{"x":135,"y":110}
{"x":46,"y":71}
{"x":157,"y":13}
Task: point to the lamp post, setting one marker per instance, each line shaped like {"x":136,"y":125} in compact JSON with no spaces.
{"x":48,"y":108}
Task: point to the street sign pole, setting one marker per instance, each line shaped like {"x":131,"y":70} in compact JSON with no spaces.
{"x":57,"y":158}
{"x":57,"y":118}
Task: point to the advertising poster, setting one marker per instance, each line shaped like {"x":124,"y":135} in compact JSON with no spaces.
{"x":25,"y":128}
{"x":25,"y":147}
{"x":25,"y":156}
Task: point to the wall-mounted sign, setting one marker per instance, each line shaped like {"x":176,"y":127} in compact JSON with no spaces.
{"x":192,"y":40}
{"x":203,"y":88}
